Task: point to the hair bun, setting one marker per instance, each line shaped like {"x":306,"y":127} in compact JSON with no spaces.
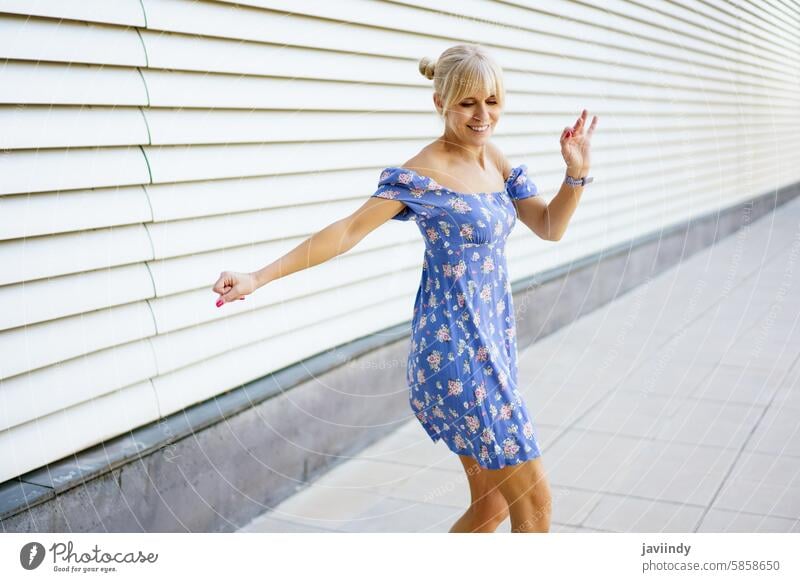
{"x":427,"y":67}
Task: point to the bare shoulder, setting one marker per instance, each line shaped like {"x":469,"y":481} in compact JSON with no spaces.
{"x":499,"y":158}
{"x":424,"y":163}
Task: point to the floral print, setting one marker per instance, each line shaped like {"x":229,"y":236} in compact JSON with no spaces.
{"x":462,"y":363}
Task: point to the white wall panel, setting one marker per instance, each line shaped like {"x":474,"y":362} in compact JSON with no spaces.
{"x":44,"y":344}
{"x":77,"y":293}
{"x":44,"y":39}
{"x":31,"y":83}
{"x":74,"y":382}
{"x":122,"y":12}
{"x":42,"y":126}
{"x":47,"y":213}
{"x":42,"y":257}
{"x":79,"y":427}
{"x":148,"y":145}
{"x":65,"y":169}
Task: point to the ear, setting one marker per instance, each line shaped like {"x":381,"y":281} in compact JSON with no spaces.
{"x":437,"y":102}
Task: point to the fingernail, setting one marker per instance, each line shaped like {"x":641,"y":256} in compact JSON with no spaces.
{"x":220,"y":302}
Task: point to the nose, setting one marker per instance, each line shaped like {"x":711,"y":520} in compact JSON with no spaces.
{"x":481,"y":115}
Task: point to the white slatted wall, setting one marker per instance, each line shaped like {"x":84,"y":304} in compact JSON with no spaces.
{"x":145,"y":146}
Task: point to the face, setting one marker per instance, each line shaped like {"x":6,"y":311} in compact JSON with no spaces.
{"x":473,"y":119}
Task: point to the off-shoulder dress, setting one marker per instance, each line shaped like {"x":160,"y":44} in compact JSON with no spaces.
{"x":462,"y":363}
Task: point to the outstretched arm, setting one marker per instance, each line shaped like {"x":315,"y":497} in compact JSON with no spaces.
{"x":335,"y":239}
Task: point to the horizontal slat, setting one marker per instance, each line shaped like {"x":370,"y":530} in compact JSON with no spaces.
{"x":73,"y":429}
{"x":44,"y":170}
{"x":24,"y":215}
{"x":42,"y":126}
{"x":70,"y":84}
{"x":42,"y":39}
{"x":63,"y":254}
{"x":55,"y":297}
{"x":125,"y":12}
{"x":179,"y":89}
{"x":29,"y":396}
{"x":45,"y":344}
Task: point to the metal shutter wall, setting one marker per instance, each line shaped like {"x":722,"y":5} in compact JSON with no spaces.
{"x":146,"y":146}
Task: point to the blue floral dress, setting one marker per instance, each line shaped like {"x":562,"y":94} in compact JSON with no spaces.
{"x":462,"y":365}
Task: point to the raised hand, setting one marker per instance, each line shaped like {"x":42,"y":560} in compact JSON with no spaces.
{"x":575,"y":144}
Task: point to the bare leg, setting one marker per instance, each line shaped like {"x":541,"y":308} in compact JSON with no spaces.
{"x":488,"y":507}
{"x":527,"y":492}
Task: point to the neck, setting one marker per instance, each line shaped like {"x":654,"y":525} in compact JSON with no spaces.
{"x":462,"y":152}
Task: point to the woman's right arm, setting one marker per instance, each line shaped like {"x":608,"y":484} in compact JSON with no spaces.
{"x":335,"y":239}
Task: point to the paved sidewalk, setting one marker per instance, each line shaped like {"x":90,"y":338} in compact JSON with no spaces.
{"x":672,"y":409}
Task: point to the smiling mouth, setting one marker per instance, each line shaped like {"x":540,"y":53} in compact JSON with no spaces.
{"x":479,"y":128}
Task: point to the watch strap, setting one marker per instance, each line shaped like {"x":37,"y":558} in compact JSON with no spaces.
{"x":578,"y":181}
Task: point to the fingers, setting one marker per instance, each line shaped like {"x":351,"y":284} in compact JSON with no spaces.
{"x":577,"y":129}
{"x":222,"y":300}
{"x":224,"y":287}
{"x":579,"y":124}
{"x":592,"y":126}
{"x":223,"y":284}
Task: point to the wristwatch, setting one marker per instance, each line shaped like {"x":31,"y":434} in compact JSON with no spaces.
{"x":578,"y":181}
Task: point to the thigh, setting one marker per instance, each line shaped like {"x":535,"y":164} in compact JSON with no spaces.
{"x":481,"y":488}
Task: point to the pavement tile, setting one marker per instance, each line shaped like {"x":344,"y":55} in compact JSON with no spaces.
{"x":724,"y":521}
{"x":403,"y":516}
{"x":763,"y":484}
{"x":630,"y":514}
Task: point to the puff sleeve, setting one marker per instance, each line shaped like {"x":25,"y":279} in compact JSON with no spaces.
{"x":406,"y":186}
{"x":519,"y":185}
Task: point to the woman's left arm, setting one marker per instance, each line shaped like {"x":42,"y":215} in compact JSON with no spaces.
{"x":550,"y":220}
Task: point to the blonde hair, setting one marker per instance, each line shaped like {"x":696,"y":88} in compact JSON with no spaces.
{"x":463,"y":70}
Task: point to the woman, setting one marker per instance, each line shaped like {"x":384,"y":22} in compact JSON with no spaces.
{"x":465,"y":197}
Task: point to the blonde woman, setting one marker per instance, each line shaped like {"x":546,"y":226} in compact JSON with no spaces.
{"x":465,"y":198}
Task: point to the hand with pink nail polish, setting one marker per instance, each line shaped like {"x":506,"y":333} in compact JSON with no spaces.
{"x":232,"y":286}
{"x":576,"y":145}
